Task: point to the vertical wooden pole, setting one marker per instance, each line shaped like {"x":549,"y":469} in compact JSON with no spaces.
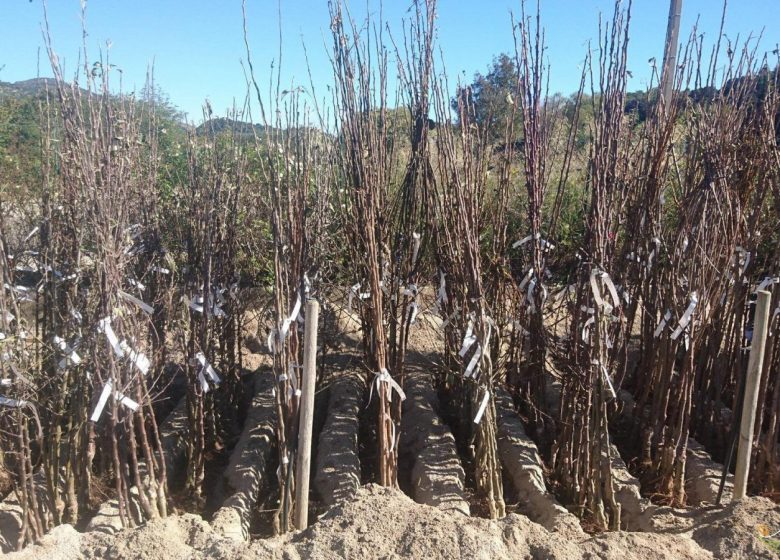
{"x":303,"y":467}
{"x":670,"y":49}
{"x":752,"y":383}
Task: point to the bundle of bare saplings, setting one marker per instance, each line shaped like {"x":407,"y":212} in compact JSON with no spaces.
{"x":589,"y":270}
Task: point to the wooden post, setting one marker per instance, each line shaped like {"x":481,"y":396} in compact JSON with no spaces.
{"x":752,"y":383}
{"x":669,"y":67}
{"x":303,"y":467}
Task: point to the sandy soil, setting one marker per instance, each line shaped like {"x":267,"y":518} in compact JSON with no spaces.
{"x":384,"y":523}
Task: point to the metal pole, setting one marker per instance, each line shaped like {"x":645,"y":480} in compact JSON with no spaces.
{"x":737,"y":413}
{"x":303,"y":467}
{"x":752,"y":383}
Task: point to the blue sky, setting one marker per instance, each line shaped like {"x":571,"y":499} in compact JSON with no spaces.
{"x":197,"y":45}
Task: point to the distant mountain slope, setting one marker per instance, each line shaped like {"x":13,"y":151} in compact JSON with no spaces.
{"x":218,"y":125}
{"x":31,"y":86}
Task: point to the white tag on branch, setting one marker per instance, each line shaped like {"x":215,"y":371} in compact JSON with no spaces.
{"x":766,"y":283}
{"x":594,"y":287}
{"x":526,"y":278}
{"x":468,"y":339}
{"x":29,"y":235}
{"x":744,"y":260}
{"x":530,"y":295}
{"x":76,"y":315}
{"x":22,"y":291}
{"x":12,"y":403}
{"x":604,"y":371}
{"x":662,"y":325}
{"x":207,"y":369}
{"x":524,"y":240}
{"x":126,"y":401}
{"x":472,"y":369}
{"x":546,"y":245}
{"x":384,"y":376}
{"x":353,"y":292}
{"x":108,"y":390}
{"x":392,"y":438}
{"x":145,"y":307}
{"x":104,"y":325}
{"x":70,"y":355}
{"x":441,"y":295}
{"x":101,"y":404}
{"x":294,"y":390}
{"x":57,"y":274}
{"x":455,"y":313}
{"x":482,"y":407}
{"x":198,"y":305}
{"x":23,"y":267}
{"x":138,"y":358}
{"x":276,"y":343}
{"x":413,"y":310}
{"x":657,"y":249}
{"x":686,"y":318}
{"x":204,"y":385}
{"x":416,"y":248}
{"x":122,"y":348}
{"x":586,"y":328}
{"x":606,"y":281}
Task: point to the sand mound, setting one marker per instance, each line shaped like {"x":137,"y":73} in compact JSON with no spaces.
{"x":731,"y":532}
{"x":383,"y":523}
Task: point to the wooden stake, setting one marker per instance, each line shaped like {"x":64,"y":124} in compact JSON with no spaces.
{"x":670,"y":50}
{"x":303,"y":467}
{"x":752,"y":383}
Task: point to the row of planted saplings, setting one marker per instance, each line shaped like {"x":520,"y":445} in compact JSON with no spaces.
{"x":647,"y":261}
{"x":650,"y":277}
{"x":111,"y":285}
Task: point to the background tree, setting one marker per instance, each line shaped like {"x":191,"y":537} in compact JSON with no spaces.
{"x":491,"y":97}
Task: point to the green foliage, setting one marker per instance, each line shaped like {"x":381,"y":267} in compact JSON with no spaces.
{"x":771,"y":544}
{"x":492,"y":97}
{"x":20,"y":146}
{"x":638,"y":104}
